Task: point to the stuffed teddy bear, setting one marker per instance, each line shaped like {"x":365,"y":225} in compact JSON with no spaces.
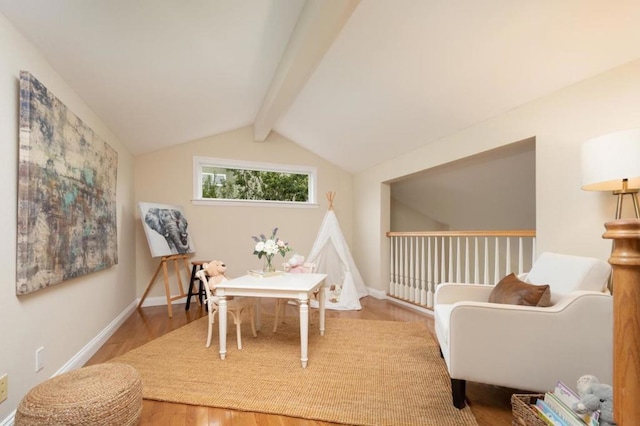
{"x":334,"y":293}
{"x":295,"y":265}
{"x":212,"y":274}
{"x":595,"y":396}
{"x":215,"y":270}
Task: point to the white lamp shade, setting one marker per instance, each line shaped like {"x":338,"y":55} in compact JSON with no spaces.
{"x":608,"y":159}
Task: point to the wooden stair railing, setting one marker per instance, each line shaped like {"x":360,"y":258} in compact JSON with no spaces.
{"x":419,"y":261}
{"x":625,"y":261}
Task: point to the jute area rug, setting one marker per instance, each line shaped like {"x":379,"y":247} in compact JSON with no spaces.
{"x":361,"y":372}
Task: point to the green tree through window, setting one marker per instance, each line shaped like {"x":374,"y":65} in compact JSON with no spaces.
{"x":220,"y":182}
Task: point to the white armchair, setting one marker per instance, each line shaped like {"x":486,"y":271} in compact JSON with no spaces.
{"x":529,"y":347}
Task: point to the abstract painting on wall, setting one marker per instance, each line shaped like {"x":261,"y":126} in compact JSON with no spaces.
{"x":66,"y":193}
{"x":166,"y":229}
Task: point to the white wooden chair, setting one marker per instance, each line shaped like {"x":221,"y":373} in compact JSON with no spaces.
{"x":235,"y":307}
{"x":281,"y":304}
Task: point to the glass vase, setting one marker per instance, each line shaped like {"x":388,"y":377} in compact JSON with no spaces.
{"x":268,"y":266}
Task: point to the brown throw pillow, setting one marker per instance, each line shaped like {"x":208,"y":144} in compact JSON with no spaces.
{"x":510,"y":290}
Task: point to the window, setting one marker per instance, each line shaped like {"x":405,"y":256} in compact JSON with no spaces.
{"x":217,"y":181}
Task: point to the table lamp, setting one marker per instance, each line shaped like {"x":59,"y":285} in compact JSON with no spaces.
{"x":611,"y":162}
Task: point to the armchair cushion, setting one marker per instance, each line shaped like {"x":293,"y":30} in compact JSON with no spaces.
{"x":510,"y":290}
{"x":566,"y":273}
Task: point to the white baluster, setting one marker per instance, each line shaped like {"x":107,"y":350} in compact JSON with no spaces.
{"x":466,"y":259}
{"x":496,"y":267}
{"x":391,"y":262}
{"x":443,"y":259}
{"x":430,"y":279}
{"x":507,"y":266}
{"x":409,"y":284}
{"x":533,"y":250}
{"x":396,"y":290}
{"x":520,"y":256}
{"x":423,"y":280}
{"x":458,"y":253}
{"x":415,"y":290}
{"x":476,"y":263}
{"x":486,"y":260}
{"x":405,"y":267}
{"x":437,"y":279}
{"x":396,"y":255}
{"x":415,"y":293}
{"x":451,"y":276}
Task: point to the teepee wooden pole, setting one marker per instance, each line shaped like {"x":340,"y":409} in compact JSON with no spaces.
{"x":330,"y":196}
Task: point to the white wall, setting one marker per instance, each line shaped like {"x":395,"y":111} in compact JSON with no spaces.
{"x":568,"y":219}
{"x":489,"y":191}
{"x":406,"y":219}
{"x":223,"y":232}
{"x":63,"y":318}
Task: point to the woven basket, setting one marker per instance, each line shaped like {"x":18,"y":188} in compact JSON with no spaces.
{"x":102,"y":394}
{"x":523,"y":412}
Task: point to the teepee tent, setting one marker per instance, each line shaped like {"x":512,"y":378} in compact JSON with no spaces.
{"x":332,"y":256}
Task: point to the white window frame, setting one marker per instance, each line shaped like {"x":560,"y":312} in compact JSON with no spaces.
{"x":200,"y":162}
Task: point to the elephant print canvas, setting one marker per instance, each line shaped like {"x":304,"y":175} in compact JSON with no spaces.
{"x":166,"y":228}
{"x":67,"y":223}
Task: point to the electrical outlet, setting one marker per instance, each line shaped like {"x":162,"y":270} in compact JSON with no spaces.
{"x":39,"y":358}
{"x":4,"y":386}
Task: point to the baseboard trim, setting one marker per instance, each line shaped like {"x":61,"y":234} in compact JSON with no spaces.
{"x":409,"y":305}
{"x":9,"y":420}
{"x":162,"y":300}
{"x":378,"y":294}
{"x":81,"y":358}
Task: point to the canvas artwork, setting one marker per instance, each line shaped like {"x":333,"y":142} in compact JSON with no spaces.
{"x":166,"y":228}
{"x":66,"y":193}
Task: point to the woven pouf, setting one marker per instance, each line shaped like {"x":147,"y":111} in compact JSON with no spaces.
{"x":102,"y":394}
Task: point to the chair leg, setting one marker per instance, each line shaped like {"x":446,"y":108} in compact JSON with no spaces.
{"x":283,"y":304}
{"x":252,"y":318}
{"x":458,"y":392}
{"x":238,"y":333}
{"x":236,"y":314}
{"x":210,"y":331}
{"x":277,"y":319}
{"x":281,"y":310}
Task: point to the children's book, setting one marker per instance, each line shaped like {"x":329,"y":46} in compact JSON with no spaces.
{"x":549,"y":414}
{"x":568,"y":397}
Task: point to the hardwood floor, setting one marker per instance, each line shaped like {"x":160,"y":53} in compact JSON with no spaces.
{"x":490,"y":404}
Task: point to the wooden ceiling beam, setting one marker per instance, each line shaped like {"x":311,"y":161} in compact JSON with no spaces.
{"x":319,"y":24}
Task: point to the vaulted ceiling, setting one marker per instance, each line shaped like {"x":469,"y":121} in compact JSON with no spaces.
{"x":355,"y":81}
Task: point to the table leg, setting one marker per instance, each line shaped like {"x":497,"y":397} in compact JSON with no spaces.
{"x":321,"y":307}
{"x":304,"y":331}
{"x":222,"y":325}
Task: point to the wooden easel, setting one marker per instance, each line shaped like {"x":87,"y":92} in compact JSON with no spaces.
{"x":165,"y":270}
